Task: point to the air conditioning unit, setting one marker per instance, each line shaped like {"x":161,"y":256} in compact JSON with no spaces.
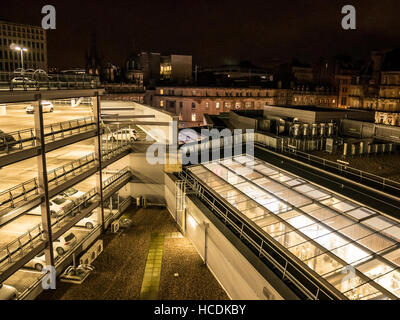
{"x":139,"y":201}
{"x":85,"y":259}
{"x":115,"y":226}
{"x":92,"y":253}
{"x":98,"y":246}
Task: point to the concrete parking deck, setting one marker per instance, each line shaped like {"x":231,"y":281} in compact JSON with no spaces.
{"x":120,"y":269}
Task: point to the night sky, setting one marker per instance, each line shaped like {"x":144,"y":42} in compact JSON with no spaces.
{"x":214,"y":32}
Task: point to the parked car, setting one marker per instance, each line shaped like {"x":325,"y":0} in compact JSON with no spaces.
{"x":8,"y":292}
{"x":123,"y":134}
{"x":39,"y":262}
{"x":74,"y":195}
{"x":6,"y":140}
{"x":23,"y":81}
{"x":89,"y":221}
{"x":58,"y":206}
{"x":47,"y":106}
{"x":64,"y":243}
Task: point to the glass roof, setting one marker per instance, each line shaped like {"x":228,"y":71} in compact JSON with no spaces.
{"x":354,"y":248}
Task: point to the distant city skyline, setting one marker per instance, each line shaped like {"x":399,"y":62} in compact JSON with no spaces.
{"x":214,"y":33}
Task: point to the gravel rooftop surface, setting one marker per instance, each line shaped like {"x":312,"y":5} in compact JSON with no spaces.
{"x":120,"y":268}
{"x":387,"y":165}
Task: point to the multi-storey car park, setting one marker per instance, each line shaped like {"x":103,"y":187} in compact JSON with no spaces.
{"x":42,"y":156}
{"x":267,"y":226}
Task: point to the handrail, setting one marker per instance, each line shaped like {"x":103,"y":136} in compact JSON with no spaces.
{"x":27,"y":138}
{"x":362,"y":175}
{"x":35,"y":234}
{"x":12,"y":80}
{"x":30,"y":188}
{"x":240,"y":225}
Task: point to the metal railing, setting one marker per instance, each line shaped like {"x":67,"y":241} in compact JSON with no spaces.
{"x":337,"y":167}
{"x":25,"y":139}
{"x":10,"y":81}
{"x":18,"y":247}
{"x":13,"y":197}
{"x":107,"y":183}
{"x":302,"y":280}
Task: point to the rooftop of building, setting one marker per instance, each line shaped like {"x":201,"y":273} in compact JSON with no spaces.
{"x":313,"y":108}
{"x":5,"y":21}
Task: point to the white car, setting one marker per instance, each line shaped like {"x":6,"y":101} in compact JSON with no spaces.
{"x":47,"y":106}
{"x":89,"y":221}
{"x":58,"y":206}
{"x":74,"y":195}
{"x":123,"y":134}
{"x":64,"y":243}
{"x":39,"y":262}
{"x":23,"y":81}
{"x":8,"y":292}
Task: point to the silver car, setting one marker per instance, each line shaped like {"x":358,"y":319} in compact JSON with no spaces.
{"x":8,"y":292}
{"x":64,"y":243}
{"x":39,"y":262}
{"x":23,"y":81}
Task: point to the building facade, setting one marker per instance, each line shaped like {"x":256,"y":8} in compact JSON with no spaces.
{"x":33,"y":38}
{"x":191,"y":103}
{"x":383,"y":98}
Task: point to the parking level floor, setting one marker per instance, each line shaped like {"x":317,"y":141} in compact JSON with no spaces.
{"x":120,"y":269}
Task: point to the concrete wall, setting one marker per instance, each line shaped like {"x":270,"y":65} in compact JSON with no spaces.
{"x":361,"y":129}
{"x":234,"y":272}
{"x":170,"y":194}
{"x":148,"y":180}
{"x":317,"y":116}
{"x":287,"y":112}
{"x":124,"y":108}
{"x":241,"y":122}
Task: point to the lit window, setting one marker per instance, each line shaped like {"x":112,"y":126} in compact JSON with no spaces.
{"x":217,"y":105}
{"x":161,"y":91}
{"x":193,"y":117}
{"x":237,"y":105}
{"x":161,"y":103}
{"x":207,"y":105}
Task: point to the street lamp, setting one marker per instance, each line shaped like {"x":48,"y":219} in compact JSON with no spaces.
{"x":15,"y":47}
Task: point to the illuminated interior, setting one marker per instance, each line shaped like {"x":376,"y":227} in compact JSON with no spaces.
{"x":354,"y":248}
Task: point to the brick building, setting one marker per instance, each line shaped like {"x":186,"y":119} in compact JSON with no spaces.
{"x":191,"y":103}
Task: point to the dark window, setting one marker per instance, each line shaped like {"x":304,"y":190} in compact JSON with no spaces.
{"x":69,"y":237}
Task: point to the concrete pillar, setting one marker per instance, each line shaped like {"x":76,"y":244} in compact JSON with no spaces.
{"x":43,"y":182}
{"x":98,"y":153}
